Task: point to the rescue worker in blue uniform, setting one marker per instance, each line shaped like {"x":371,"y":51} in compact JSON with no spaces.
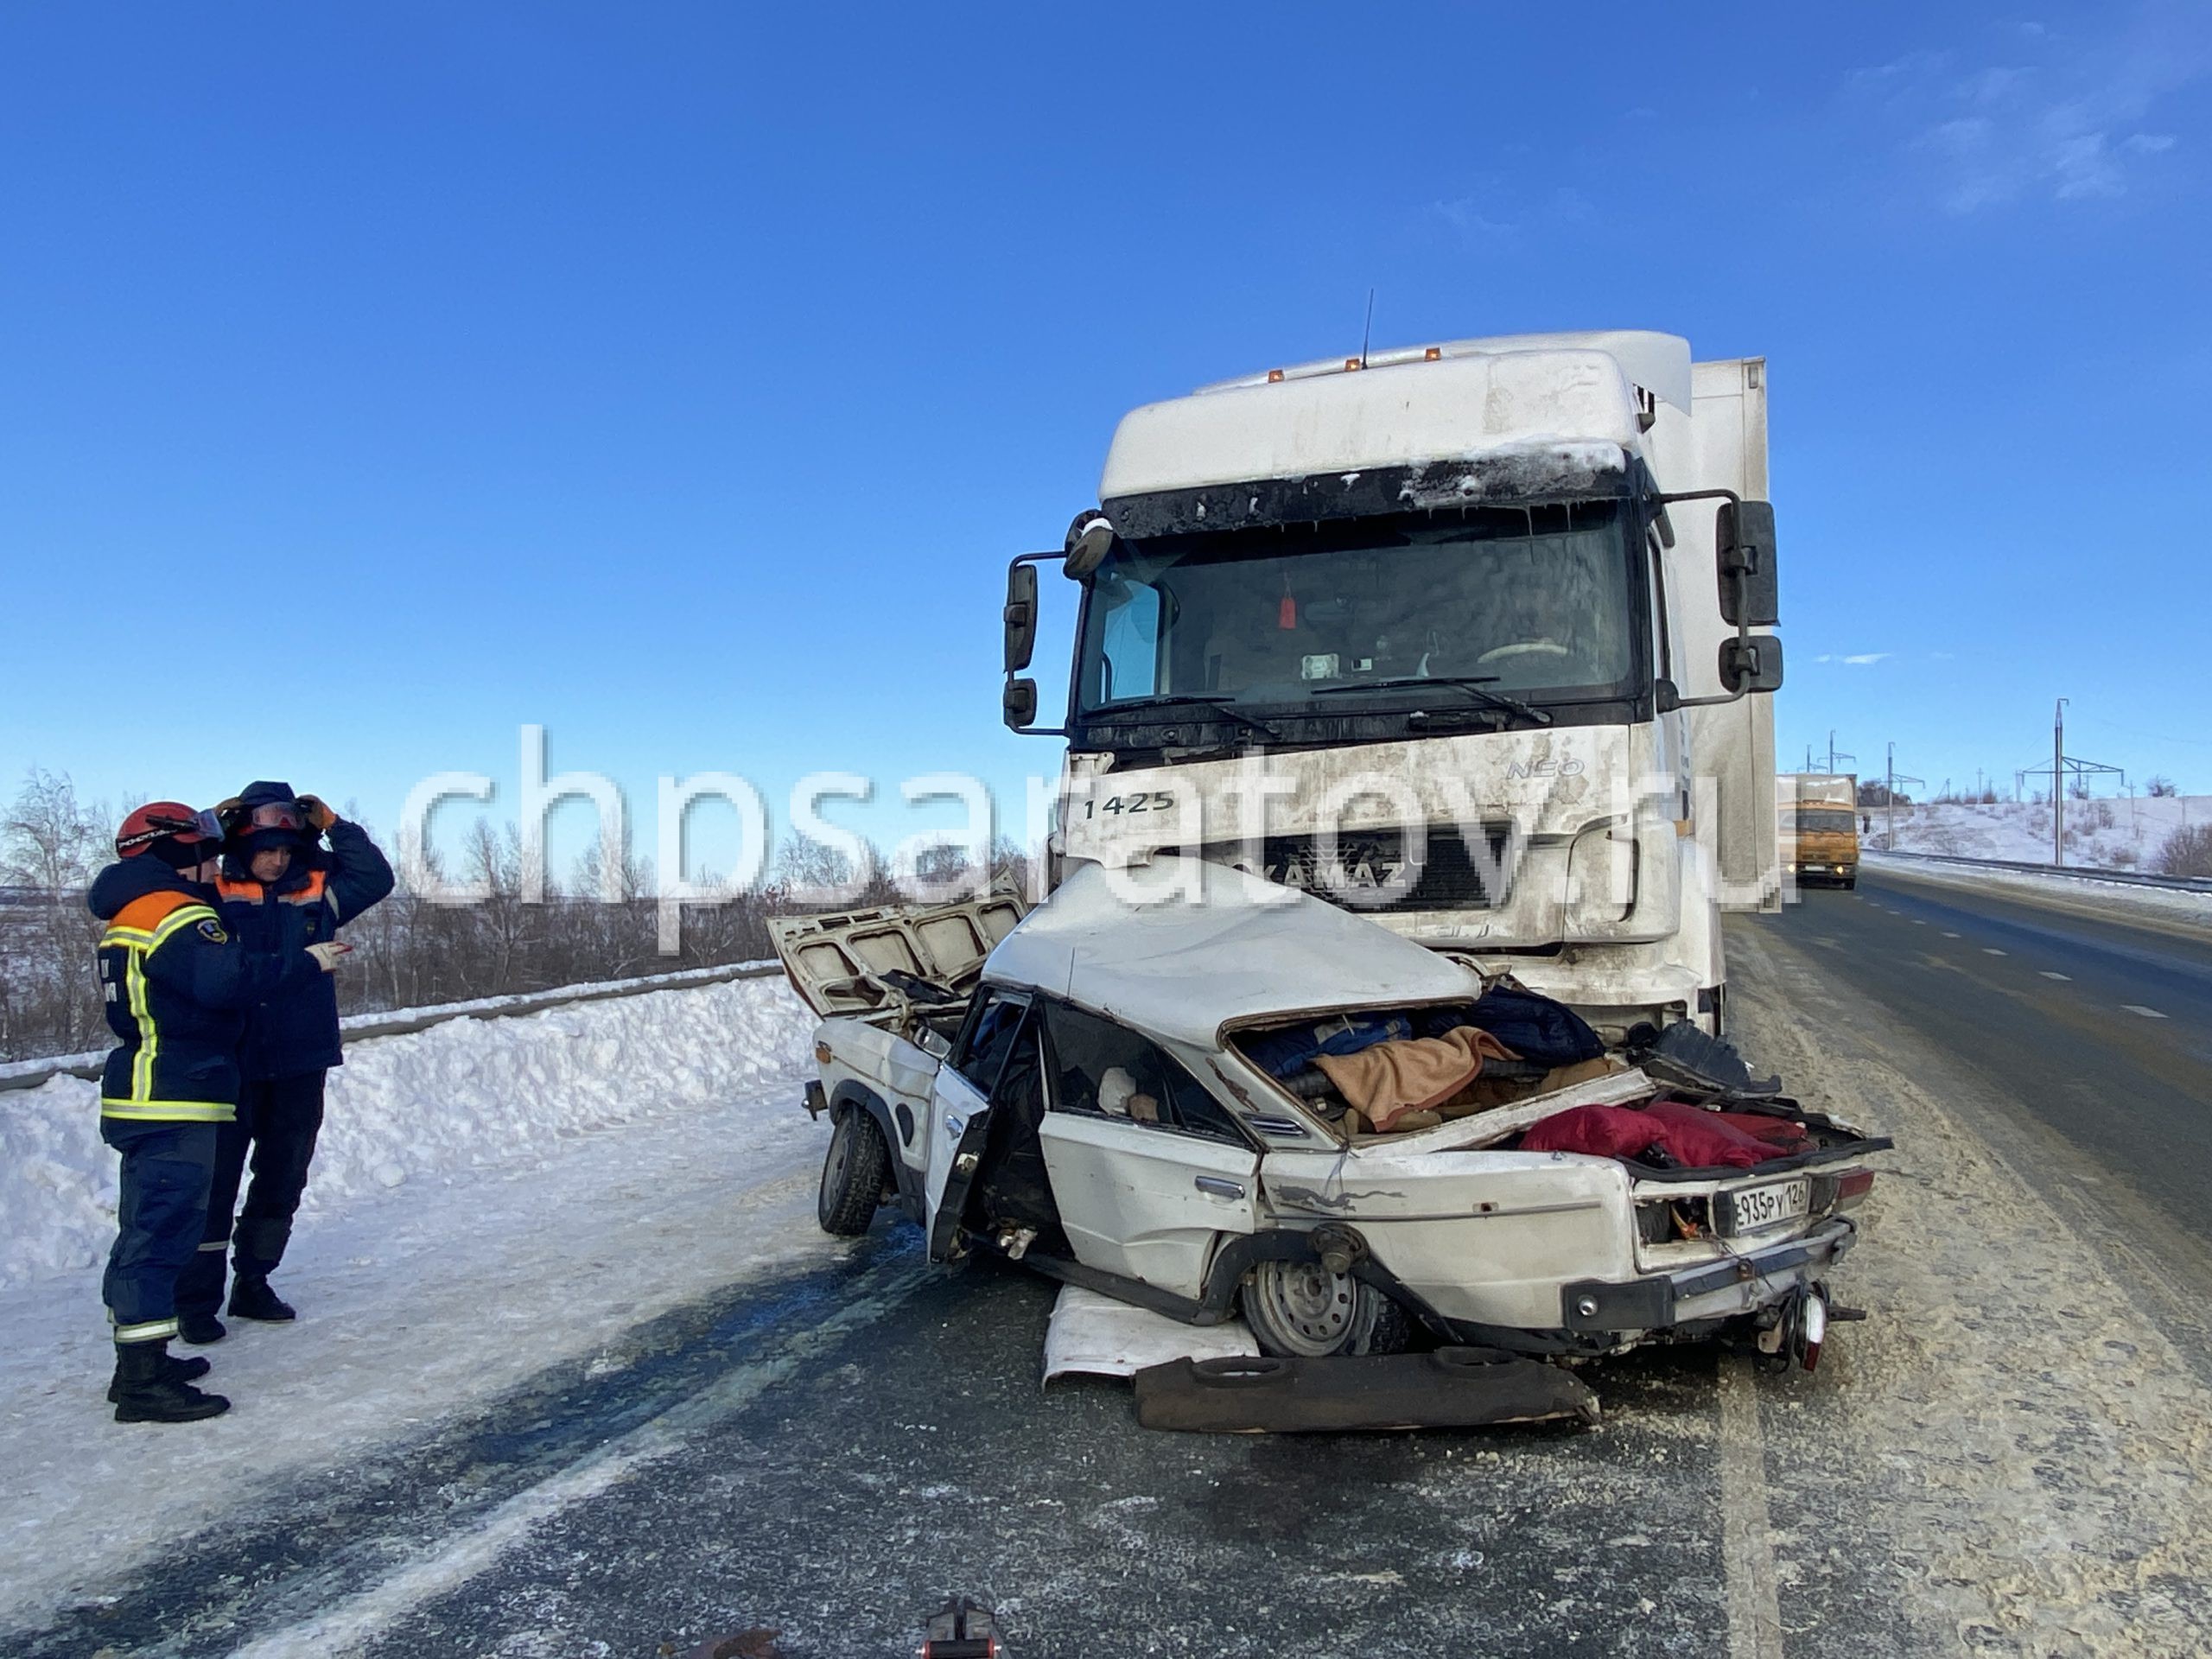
{"x":177,"y":986}
{"x":279,"y":892}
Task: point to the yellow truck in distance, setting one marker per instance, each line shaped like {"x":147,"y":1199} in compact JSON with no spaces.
{"x":1818,"y":827}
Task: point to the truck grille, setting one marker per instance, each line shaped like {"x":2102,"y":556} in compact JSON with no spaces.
{"x":1454,"y":875}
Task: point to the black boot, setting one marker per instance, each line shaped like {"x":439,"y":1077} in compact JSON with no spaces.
{"x":251,"y":1299}
{"x":174,"y":1369}
{"x":144,"y":1394}
{"x":199,"y":1329}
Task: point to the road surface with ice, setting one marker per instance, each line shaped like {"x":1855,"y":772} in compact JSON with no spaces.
{"x":2004,"y":1459}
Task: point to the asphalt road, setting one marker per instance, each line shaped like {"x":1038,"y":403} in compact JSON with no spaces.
{"x":2086,"y":1038}
{"x":829,"y":1456}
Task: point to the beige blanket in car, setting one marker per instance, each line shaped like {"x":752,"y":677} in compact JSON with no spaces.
{"x":1388,"y":1079}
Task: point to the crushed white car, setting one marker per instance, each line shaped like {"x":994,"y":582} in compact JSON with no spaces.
{"x":1133,"y":1098}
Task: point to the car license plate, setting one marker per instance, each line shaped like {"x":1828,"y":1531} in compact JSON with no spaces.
{"x":1753,"y":1208}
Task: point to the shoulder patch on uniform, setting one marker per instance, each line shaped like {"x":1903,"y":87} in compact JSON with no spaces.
{"x":212,"y":931}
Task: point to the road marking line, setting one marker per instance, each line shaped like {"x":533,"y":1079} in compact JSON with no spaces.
{"x":2064,"y":978}
{"x":1916,"y":922}
{"x":1746,"y":1541}
{"x":443,"y":1565}
{"x":2137,"y":1007}
{"x":1950,"y":936}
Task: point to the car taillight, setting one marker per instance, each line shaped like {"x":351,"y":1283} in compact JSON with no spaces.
{"x":1852,"y":1188}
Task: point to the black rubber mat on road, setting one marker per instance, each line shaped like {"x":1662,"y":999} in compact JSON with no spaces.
{"x":1451,"y":1388}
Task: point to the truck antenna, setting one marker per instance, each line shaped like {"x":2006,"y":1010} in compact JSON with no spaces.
{"x":1367,"y":331}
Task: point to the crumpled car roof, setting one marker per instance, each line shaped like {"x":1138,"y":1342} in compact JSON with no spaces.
{"x":1246,"y":949}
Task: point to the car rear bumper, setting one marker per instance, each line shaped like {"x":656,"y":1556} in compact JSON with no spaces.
{"x":1715,"y":1290}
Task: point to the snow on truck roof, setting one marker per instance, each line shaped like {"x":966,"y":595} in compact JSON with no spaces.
{"x":1245,"y":949}
{"x":1579,"y":394}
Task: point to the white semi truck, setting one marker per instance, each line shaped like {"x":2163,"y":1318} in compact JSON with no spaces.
{"x":1469,"y":637}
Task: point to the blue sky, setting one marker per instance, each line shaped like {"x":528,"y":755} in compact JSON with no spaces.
{"x":376,"y":380}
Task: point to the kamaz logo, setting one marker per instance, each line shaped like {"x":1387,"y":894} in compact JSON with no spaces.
{"x":1567,"y":768}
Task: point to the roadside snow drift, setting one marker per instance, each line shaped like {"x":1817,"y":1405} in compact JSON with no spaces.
{"x":492,"y":1198}
{"x":469,"y":1093}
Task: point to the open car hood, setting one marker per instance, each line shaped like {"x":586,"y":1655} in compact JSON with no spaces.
{"x":864,"y":961}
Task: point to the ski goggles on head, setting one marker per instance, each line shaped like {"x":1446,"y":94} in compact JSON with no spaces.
{"x":197,"y":826}
{"x":276,"y":815}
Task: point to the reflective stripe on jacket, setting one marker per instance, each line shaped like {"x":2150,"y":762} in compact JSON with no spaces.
{"x":177,"y":986}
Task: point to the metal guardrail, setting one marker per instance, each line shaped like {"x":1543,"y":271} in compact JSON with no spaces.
{"x":2125,"y":878}
{"x":360,"y":1027}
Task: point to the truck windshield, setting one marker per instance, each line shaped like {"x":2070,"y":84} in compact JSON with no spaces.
{"x":1534,"y":602}
{"x":1827,"y":820}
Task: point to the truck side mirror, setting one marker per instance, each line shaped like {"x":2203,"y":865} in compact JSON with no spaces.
{"x":1020,"y":701}
{"x":1090,"y":539}
{"x":1021,"y":618}
{"x":1751,"y":663}
{"x":1750,"y":594}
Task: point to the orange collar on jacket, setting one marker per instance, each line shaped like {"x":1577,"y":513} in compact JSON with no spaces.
{"x":145,"y":913}
{"x":310,"y":893}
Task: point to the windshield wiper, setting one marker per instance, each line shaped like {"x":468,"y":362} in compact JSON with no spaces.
{"x":1475,"y":685}
{"x":1221,"y":701}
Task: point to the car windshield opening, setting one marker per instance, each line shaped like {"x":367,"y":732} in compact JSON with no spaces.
{"x":1532,"y":601}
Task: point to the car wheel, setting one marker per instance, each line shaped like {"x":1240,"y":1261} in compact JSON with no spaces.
{"x":852,"y":1174}
{"x":1300,"y":1310}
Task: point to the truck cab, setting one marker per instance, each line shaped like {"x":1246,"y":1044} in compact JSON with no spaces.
{"x":1819,"y":829}
{"x":1469,"y":637}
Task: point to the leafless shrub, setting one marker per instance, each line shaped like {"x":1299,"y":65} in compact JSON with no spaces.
{"x":2187,"y":851}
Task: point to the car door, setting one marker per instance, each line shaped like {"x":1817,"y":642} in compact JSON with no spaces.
{"x":1148,"y":1172}
{"x":960,"y":1109}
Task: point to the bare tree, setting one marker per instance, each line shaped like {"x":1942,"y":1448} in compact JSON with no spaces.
{"x":51,"y":846}
{"x":2187,"y":851}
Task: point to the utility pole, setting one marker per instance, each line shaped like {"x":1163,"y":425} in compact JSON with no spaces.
{"x":1890,"y":801}
{"x":2058,"y":786}
{"x":1831,"y":748}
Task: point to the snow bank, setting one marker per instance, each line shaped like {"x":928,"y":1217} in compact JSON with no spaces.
{"x":2111,"y":835}
{"x":564,"y":1179}
{"x":471,"y":1092}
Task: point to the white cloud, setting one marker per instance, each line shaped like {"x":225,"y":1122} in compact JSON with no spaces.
{"x":1476,"y":217}
{"x":1856,"y":660}
{"x":1495,"y":215}
{"x":2064,"y":126}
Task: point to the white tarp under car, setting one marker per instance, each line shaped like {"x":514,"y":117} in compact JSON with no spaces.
{"x":1239,"y":1102}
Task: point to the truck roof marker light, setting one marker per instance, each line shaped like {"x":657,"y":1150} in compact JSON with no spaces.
{"x":1353,"y":363}
{"x":1433,"y":355}
{"x":1274,"y":375}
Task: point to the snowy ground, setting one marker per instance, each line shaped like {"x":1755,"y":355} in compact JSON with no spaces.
{"x":2113,"y":835}
{"x":491,"y":1197}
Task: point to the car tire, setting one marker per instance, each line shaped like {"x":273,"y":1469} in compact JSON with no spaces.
{"x":852,"y":1175}
{"x":1300,"y":1310}
{"x":1850,"y":885}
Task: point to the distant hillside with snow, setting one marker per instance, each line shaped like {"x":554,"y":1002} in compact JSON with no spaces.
{"x":2114,"y":834}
